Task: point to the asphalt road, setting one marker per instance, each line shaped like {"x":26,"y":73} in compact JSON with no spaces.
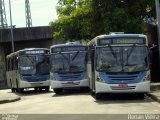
{"x":79,"y":102}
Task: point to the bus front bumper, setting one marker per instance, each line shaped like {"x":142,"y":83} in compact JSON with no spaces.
{"x":24,"y":84}
{"x":69,"y":84}
{"x":142,"y":87}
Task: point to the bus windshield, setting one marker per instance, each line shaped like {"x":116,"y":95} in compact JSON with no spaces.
{"x":122,"y":58}
{"x":34,"y":65}
{"x":68,"y":62}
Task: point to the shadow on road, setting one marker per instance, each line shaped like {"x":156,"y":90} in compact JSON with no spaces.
{"x":71,"y":92}
{"x":32,"y":92}
{"x":120,"y":98}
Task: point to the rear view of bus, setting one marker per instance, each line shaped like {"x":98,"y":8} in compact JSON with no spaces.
{"x":68,"y":67}
{"x":119,"y":64}
{"x":28,"y":68}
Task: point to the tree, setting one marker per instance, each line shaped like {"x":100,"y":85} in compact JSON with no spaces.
{"x":80,"y":19}
{"x":120,"y":15}
{"x":73,"y":21}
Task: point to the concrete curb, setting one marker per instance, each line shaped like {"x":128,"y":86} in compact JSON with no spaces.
{"x":154,"y":97}
{"x":155,"y":86}
{"x":10,"y":100}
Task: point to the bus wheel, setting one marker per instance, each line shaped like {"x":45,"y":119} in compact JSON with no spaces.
{"x":141,"y":95}
{"x":20,"y":90}
{"x":36,"y":89}
{"x":97,"y":96}
{"x":47,"y":88}
{"x":92,"y":92}
{"x":58,"y":90}
{"x":13,"y":90}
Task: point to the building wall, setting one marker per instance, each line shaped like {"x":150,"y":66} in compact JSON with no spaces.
{"x":33,"y":44}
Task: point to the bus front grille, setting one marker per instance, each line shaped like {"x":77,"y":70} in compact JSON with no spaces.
{"x":73,"y":76}
{"x":123,"y":77}
{"x":121,"y":88}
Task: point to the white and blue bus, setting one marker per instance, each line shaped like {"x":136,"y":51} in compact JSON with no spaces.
{"x":68,"y":67}
{"x":28,"y":68}
{"x":119,"y":63}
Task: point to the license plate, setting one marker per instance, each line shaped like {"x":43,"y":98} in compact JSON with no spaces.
{"x":36,"y":84}
{"x":70,"y":82}
{"x":123,"y":85}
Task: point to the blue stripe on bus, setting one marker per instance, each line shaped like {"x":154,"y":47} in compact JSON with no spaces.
{"x":36,"y":78}
{"x":70,"y":76}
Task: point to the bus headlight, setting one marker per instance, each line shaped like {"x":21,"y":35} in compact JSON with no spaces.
{"x":147,"y":77}
{"x":52,"y":77}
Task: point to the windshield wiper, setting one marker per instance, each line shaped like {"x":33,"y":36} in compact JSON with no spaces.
{"x":75,"y":56}
{"x":128,"y":55}
{"x":64,"y":57}
{"x":112,"y":51}
{"x":30,"y":59}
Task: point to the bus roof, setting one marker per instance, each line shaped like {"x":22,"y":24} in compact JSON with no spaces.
{"x":93,"y":41}
{"x":68,"y":47}
{"x":26,"y":49}
{"x":120,"y":35}
{"x":65,"y":45}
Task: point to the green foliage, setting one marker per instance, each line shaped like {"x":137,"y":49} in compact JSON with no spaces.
{"x":105,"y":67}
{"x":120,"y":15}
{"x":81,"y":19}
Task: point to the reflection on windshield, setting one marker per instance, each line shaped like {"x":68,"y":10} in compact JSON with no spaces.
{"x":68,"y":62}
{"x":31,"y":65}
{"x":42,"y":65}
{"x":122,"y":59}
{"x":27,"y":65}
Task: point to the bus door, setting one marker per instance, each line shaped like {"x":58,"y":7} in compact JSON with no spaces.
{"x":91,"y":69}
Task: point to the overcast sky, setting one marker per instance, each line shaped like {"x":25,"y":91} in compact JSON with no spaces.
{"x":42,"y":12}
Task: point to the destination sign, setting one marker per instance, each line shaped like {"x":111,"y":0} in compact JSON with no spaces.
{"x":129,"y":41}
{"x":107,"y":41}
{"x":70,"y":48}
{"x":33,"y":52}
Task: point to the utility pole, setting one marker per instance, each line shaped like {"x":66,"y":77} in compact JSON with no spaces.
{"x":3,"y":20}
{"x":158,"y":24}
{"x":12,"y":40}
{"x":28,"y":14}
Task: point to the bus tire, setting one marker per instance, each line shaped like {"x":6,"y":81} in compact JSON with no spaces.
{"x":47,"y":88}
{"x":87,"y":89}
{"x":13,"y":90}
{"x":36,"y":89}
{"x":20,"y":90}
{"x":141,"y":95}
{"x":97,"y":96}
{"x":17,"y":86}
{"x":92,"y":92}
{"x":58,"y":90}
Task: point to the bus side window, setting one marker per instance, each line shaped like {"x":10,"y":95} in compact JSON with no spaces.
{"x":16,"y":63}
{"x":7,"y":66}
{"x":12,"y":63}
